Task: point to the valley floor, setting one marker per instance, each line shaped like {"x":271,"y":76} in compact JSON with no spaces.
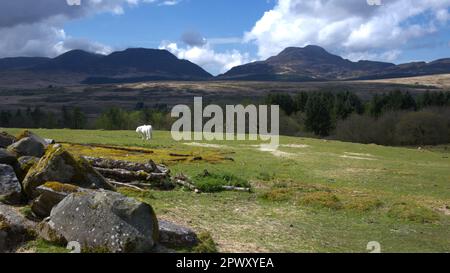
{"x":310,"y":196}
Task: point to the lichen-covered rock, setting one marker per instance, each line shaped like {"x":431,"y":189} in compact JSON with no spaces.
{"x":59,"y":165}
{"x":7,"y":157}
{"x":50,"y":194}
{"x":15,"y":229}
{"x":27,"y":147}
{"x":6,"y":139}
{"x":105,"y":220}
{"x":173,"y":235}
{"x":10,"y":189}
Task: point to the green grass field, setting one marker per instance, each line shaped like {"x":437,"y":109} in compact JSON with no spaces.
{"x":310,"y":196}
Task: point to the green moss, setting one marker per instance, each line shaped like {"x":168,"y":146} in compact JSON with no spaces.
{"x":26,"y":211}
{"x":412,"y":212}
{"x":206,"y":244}
{"x":42,"y":246}
{"x":61,"y":187}
{"x":97,"y":249}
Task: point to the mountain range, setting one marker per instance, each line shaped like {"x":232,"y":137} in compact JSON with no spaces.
{"x":310,"y":63}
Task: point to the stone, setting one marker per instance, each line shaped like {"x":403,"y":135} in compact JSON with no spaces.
{"x":6,"y":139}
{"x":173,"y":235}
{"x":28,"y":133}
{"x":59,"y":165}
{"x":46,"y":230}
{"x":24,"y":165}
{"x":49,"y":141}
{"x":15,"y":229}
{"x":27,"y":147}
{"x":51,"y":193}
{"x":7,"y":157}
{"x":10,"y":189}
{"x":105,"y":221}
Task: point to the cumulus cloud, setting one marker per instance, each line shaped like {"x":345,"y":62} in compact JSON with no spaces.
{"x":205,"y":56}
{"x":36,"y":28}
{"x":349,"y":27}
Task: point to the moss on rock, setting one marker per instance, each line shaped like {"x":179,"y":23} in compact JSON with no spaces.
{"x":59,"y":165}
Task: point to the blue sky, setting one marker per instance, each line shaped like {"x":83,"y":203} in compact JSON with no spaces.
{"x":148,"y":25}
{"x":220,"y":34}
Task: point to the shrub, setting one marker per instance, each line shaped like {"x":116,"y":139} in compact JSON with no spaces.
{"x":422,"y":128}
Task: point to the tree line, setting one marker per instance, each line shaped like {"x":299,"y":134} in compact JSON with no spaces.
{"x":113,"y":118}
{"x":394,"y":118}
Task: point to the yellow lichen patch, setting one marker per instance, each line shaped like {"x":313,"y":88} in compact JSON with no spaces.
{"x":61,"y":187}
{"x":135,"y":154}
{"x":23,"y":134}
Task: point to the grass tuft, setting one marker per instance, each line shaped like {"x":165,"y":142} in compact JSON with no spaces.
{"x":209,"y":182}
{"x":206,"y":244}
{"x":412,"y":212}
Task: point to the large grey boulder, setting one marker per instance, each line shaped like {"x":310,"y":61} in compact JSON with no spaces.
{"x":59,"y":165}
{"x":10,"y":189}
{"x":6,"y":139}
{"x":104,"y":221}
{"x":15,"y":229}
{"x":173,"y":235}
{"x":7,"y":157}
{"x":27,"y":147}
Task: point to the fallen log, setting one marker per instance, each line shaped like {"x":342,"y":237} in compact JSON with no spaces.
{"x":232,"y":188}
{"x":123,"y":175}
{"x":149,"y":167}
{"x":125,"y":185}
{"x":188,"y":185}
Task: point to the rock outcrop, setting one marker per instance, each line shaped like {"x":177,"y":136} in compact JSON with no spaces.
{"x":104,"y":221}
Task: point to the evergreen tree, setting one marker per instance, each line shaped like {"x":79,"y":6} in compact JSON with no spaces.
{"x":318,"y":115}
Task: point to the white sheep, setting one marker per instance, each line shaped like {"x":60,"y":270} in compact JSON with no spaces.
{"x":145,"y":132}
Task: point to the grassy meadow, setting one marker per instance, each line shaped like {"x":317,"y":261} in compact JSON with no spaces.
{"x":309,"y":196}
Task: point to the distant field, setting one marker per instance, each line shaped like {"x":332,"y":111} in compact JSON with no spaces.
{"x":93,"y":99}
{"x":439,"y":81}
{"x":310,"y":196}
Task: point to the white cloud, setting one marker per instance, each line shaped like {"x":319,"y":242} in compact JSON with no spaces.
{"x":206,"y":57}
{"x":349,"y":27}
{"x":36,"y":28}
